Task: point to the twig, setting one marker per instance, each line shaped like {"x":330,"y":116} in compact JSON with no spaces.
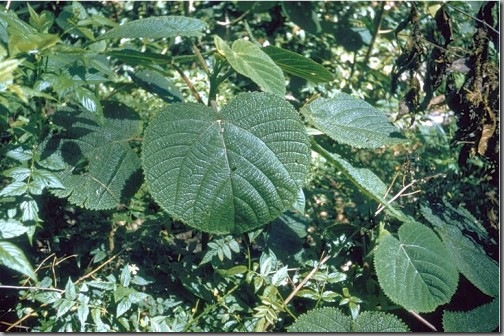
{"x":229,"y":23}
{"x":421,"y":319}
{"x":33,"y":287}
{"x":98,"y":268}
{"x":200,"y":59}
{"x":474,"y":18}
{"x":189,"y":84}
{"x":375,"y":34}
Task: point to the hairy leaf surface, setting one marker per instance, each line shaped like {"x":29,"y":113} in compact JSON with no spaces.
{"x":483,"y":319}
{"x":469,"y":257}
{"x":333,"y":320}
{"x":102,"y":170}
{"x":352,"y":121}
{"x":228,"y":171}
{"x":415,"y":271}
{"x":249,"y":60}
{"x":157,"y":27}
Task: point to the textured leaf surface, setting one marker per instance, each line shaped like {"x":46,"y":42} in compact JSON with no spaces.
{"x":322,"y":320}
{"x":333,"y":320}
{"x":157,"y":27}
{"x":482,"y":319}
{"x":101,"y":168}
{"x":226,"y":172}
{"x":469,"y":257}
{"x":12,"y":257}
{"x":249,"y":60}
{"x":415,"y":271}
{"x":298,"y":65}
{"x":352,"y":121}
{"x":378,"y":322}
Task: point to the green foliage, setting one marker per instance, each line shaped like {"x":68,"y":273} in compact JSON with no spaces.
{"x":228,"y":171}
{"x":414,"y":270}
{"x":482,"y":319}
{"x":155,"y":190}
{"x":333,"y":320}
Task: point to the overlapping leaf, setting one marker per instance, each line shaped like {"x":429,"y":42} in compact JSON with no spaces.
{"x":157,"y":27}
{"x":228,"y":171}
{"x":483,"y":319}
{"x":102,"y":170}
{"x":415,"y":271}
{"x":352,"y":121}
{"x":249,"y":60}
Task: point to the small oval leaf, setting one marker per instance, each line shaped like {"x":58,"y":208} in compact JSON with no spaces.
{"x":415,"y":271}
{"x":226,"y":172}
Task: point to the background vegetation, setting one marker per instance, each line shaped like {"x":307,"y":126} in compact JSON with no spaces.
{"x":71,"y":261}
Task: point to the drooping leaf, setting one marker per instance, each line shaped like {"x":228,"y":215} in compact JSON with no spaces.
{"x":483,"y":319}
{"x":352,"y":121}
{"x":332,"y":320}
{"x":134,"y":57}
{"x":154,"y":82}
{"x":249,"y":60}
{"x":228,"y":171}
{"x":303,"y":14}
{"x":414,"y":270}
{"x":157,"y":27}
{"x":469,"y":257}
{"x":102,"y":170}
{"x":298,"y":65}
{"x":13,"y":257}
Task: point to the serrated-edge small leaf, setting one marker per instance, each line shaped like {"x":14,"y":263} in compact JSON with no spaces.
{"x":63,"y":307}
{"x":415,"y":271}
{"x":83,"y":313}
{"x":14,"y":258}
{"x":30,"y":209}
{"x":47,"y":178}
{"x":352,"y":121}
{"x":123,"y":306}
{"x":125,"y":276}
{"x":249,"y":60}
{"x":19,"y":174}
{"x":11,"y":228}
{"x":483,"y":319}
{"x":16,"y":188}
{"x":157,"y":27}
{"x":322,"y":320}
{"x":70,"y":290}
{"x":298,"y":65}
{"x":20,"y":154}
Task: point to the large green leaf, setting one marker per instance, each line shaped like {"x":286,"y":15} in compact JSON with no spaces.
{"x":298,"y":65}
{"x":12,"y":257}
{"x":249,"y":60}
{"x":228,"y":171}
{"x":483,"y":319}
{"x":469,"y":257}
{"x":102,"y":170}
{"x":157,"y":27}
{"x":333,"y":320}
{"x":154,"y":82}
{"x":415,"y":271}
{"x":352,"y":121}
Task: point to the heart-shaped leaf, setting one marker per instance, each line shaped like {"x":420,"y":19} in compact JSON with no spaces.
{"x":229,"y":171}
{"x":249,"y":60}
{"x":415,"y":271}
{"x":352,"y":121}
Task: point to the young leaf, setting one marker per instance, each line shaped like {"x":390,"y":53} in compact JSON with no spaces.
{"x":70,"y":290}
{"x":226,"y":172}
{"x":123,"y":306}
{"x":352,"y":121}
{"x":14,"y":189}
{"x":470,"y":259}
{"x":483,"y":319}
{"x":157,"y":27}
{"x":12,"y":257}
{"x":11,"y":228}
{"x":298,"y":65}
{"x":249,"y":60}
{"x":415,"y":271}
{"x":112,"y":172}
{"x":29,"y":209}
{"x":20,"y":154}
{"x":19,"y":174}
